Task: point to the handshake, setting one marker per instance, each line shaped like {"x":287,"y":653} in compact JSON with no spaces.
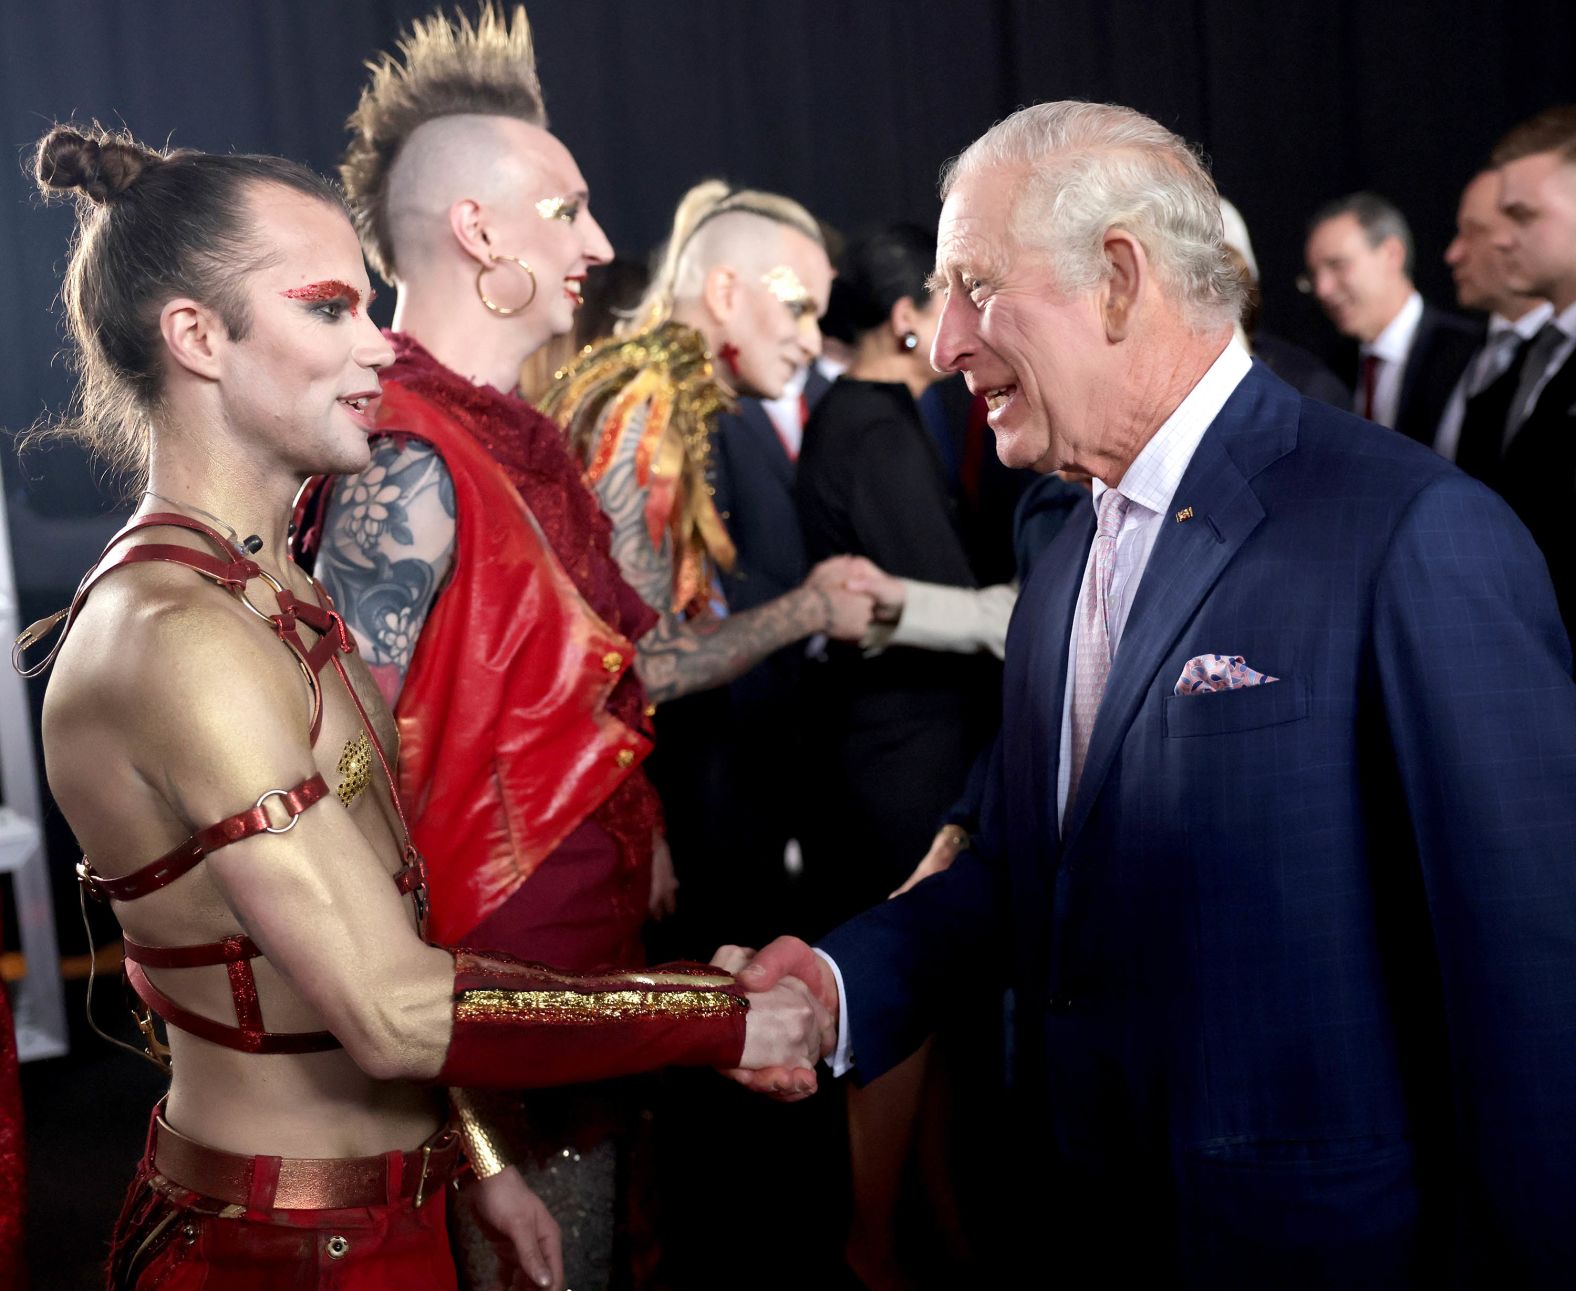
{"x":792,"y":1022}
{"x":854,"y":594}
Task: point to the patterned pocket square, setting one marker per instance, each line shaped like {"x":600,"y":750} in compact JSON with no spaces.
{"x":1211,"y":672}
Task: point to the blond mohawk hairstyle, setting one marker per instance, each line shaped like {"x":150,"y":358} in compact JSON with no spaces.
{"x":440,"y":69}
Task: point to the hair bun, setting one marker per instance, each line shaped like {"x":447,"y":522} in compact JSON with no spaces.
{"x":98,"y":165}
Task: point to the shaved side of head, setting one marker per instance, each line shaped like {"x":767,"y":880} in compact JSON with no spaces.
{"x":486,"y":159}
{"x":741,"y":240}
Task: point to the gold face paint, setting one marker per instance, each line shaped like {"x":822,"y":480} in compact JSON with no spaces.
{"x":559,"y":208}
{"x":784,"y":283}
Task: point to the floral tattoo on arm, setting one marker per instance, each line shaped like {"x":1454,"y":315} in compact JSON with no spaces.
{"x":388,"y":545}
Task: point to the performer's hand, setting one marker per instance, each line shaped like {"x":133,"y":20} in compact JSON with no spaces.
{"x":508,"y":1206}
{"x":786,"y":958}
{"x":664,"y":882}
{"x":888,"y":592}
{"x":834,"y":572}
{"x":944,"y":849}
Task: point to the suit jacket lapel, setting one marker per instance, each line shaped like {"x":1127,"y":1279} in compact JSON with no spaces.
{"x":768,"y":443}
{"x":1416,"y":360}
{"x":1257,"y":425}
{"x":1054,"y":586}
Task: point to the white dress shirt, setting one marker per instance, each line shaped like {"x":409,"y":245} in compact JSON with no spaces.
{"x":1495,"y":356}
{"x":1150,"y":483}
{"x":1391,"y":347}
{"x":786,"y":413}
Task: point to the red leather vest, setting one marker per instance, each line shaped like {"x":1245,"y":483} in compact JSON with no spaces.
{"x":506,"y":741}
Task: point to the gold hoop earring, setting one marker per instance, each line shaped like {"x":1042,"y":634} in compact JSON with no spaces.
{"x":496,"y":308}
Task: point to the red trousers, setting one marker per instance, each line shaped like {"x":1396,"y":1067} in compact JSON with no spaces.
{"x":174,"y":1239}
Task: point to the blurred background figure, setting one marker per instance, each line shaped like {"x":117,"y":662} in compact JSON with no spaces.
{"x":1409,"y":354}
{"x":1519,"y":434}
{"x":896,"y":727}
{"x":1482,"y":279}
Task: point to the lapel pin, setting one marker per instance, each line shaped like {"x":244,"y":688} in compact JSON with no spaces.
{"x":1186,"y":513}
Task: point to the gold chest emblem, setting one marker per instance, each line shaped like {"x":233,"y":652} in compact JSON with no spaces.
{"x":355,"y":768}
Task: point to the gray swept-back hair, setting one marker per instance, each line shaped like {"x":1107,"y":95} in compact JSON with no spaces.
{"x":1090,"y":167}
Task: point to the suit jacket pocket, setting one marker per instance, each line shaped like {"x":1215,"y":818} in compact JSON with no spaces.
{"x":1247,"y":709}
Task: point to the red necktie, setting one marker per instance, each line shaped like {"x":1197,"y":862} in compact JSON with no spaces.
{"x":1370,"y":383}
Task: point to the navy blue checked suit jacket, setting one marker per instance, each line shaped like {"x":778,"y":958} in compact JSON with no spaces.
{"x":1296,"y":983}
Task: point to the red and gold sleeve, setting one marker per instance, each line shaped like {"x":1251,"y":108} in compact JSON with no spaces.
{"x":521,"y":1026}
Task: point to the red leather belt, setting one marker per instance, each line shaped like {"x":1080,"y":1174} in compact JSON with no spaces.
{"x":287,"y":1183}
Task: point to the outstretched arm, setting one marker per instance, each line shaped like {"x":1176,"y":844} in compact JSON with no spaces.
{"x":388,"y":544}
{"x":318,"y":898}
{"x":678,"y":657}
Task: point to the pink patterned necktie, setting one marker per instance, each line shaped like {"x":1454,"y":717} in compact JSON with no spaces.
{"x":1092,"y":633}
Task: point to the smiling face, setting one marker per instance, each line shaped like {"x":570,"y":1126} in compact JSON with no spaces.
{"x":1360,"y":285}
{"x":1538,"y":238}
{"x":545,"y":220}
{"x":1038,"y":354}
{"x":772,"y":329}
{"x":302,"y":383}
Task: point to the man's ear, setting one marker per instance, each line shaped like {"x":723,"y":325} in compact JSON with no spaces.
{"x":720,"y":292}
{"x":1394,"y":253}
{"x":466,"y":225}
{"x":194,"y":336}
{"x":1127,"y":269}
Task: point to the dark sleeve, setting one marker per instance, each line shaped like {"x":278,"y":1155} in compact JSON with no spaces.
{"x":898,"y":506}
{"x":1475,"y":671}
{"x":903,"y":960}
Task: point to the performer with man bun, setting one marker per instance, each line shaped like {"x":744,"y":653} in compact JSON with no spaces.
{"x":223,"y":755}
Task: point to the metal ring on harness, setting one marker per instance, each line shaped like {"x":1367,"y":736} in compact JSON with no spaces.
{"x":284,"y":795}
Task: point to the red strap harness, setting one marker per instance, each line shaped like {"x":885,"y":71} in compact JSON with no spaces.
{"x":232,"y":570}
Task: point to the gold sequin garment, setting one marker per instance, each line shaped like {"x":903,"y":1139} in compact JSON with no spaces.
{"x":569,"y":1008}
{"x":355,"y":768}
{"x":659,"y":386}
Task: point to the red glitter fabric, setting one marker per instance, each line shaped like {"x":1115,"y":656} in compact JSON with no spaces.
{"x":532,"y":451}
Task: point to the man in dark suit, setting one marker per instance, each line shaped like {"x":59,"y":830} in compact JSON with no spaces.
{"x":1519,"y":433}
{"x":1277,"y":842}
{"x":1410,"y":355}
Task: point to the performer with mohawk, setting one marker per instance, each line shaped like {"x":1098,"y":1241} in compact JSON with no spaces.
{"x":474,"y":566}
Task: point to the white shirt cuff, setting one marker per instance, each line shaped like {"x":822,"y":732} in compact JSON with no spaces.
{"x":841,"y":1061}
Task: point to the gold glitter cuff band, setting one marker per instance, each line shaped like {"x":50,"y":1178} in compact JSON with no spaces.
{"x":482,"y":1145}
{"x":569,"y":1008}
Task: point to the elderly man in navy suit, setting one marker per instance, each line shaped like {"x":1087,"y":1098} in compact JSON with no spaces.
{"x":1279,"y":845}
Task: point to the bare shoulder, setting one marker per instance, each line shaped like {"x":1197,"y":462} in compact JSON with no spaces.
{"x":157,"y":646}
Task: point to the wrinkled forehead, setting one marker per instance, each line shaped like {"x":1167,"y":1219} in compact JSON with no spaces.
{"x":977,"y":232}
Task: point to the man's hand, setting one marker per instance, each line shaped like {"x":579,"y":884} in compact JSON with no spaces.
{"x":792,"y":960}
{"x":516,"y":1213}
{"x":664,"y":882}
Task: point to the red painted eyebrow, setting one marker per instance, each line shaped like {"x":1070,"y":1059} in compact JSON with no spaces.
{"x":330,"y":289}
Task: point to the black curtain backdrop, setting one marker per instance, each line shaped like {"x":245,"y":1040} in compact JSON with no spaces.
{"x":851,"y":107}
